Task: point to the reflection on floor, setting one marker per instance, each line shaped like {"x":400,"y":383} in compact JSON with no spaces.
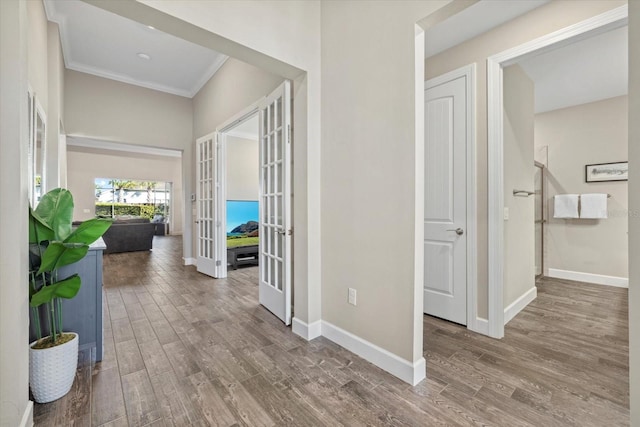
{"x":186,"y":350}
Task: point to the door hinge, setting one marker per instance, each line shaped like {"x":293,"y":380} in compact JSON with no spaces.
{"x":218,"y":263}
{"x":289,"y":133}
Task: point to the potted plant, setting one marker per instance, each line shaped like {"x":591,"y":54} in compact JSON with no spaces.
{"x":53,"y":244}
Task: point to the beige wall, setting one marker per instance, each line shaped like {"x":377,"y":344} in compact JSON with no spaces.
{"x":242,"y":169}
{"x":113,"y":111}
{"x":634,"y":212}
{"x":38,"y":47}
{"x":87,"y":164}
{"x":284,"y":39}
{"x":519,"y":244}
{"x":104,"y":109}
{"x":236,"y":86}
{"x":543,"y":20}
{"x":577,"y":136}
{"x":14,"y":295}
{"x":369,"y":171}
{"x":55,"y":164}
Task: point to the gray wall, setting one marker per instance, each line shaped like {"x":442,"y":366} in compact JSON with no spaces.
{"x":519,"y":245}
{"x":577,"y":136}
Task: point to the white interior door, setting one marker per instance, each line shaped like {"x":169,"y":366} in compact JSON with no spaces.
{"x":209,"y":206}
{"x":445,"y":263}
{"x":275,"y":203}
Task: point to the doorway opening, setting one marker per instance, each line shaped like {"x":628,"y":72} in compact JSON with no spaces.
{"x":230,"y":231}
{"x":501,"y":67}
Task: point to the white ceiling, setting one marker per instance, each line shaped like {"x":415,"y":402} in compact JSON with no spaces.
{"x":586,"y":71}
{"x":98,"y":42}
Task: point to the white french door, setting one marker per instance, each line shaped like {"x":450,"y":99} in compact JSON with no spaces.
{"x":210,"y":204}
{"x":275,"y":203}
{"x":445,"y":210}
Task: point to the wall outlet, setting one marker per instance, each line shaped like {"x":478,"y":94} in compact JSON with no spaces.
{"x":86,"y":210}
{"x":352,"y":296}
{"x":506,"y":214}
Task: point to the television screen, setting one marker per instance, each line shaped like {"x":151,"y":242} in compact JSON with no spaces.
{"x":242,"y":217}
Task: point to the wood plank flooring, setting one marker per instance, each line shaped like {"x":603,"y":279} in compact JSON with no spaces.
{"x":182,"y":349}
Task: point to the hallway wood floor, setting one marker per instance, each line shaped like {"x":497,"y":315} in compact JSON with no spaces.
{"x":182,"y":349}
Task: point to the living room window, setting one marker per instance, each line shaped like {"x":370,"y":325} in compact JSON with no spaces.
{"x":118,"y":198}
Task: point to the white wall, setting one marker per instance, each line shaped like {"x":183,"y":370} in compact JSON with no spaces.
{"x":243,"y":169}
{"x":577,"y":136}
{"x":519,"y":243}
{"x":634,"y":213}
{"x":543,"y":20}
{"x":87,"y":164}
{"x":14,"y":297}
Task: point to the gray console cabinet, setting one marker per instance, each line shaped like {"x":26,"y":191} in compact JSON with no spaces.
{"x":83,"y":314}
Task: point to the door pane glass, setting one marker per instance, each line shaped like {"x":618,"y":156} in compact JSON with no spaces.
{"x":279,"y":111}
{"x":278,"y":177}
{"x":271,"y":219}
{"x":263,"y":266}
{"x":278,"y":211}
{"x":271,"y":118}
{"x":265,"y":124}
{"x":272,"y":273}
{"x":272,"y":186}
{"x":279,"y":274}
{"x":278,"y":153}
{"x":278,"y":251}
{"x":272,"y":148}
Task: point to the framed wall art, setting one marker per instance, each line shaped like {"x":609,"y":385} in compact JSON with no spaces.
{"x":618,"y":171}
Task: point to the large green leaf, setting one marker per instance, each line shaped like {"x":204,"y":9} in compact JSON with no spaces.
{"x":67,"y":288}
{"x":89,"y":231}
{"x":59,"y":254}
{"x":56,"y":209}
{"x":39,"y":230}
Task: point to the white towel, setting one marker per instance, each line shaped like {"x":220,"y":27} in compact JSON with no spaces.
{"x":593,"y":205}
{"x":565,"y":206}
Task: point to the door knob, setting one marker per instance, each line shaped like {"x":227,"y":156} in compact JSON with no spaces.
{"x":459,"y":231}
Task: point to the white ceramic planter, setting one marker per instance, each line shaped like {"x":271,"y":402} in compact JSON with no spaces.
{"x":52,"y":370}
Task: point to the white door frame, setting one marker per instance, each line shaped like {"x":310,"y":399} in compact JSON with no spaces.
{"x":223,"y":130}
{"x":469,"y":72}
{"x":598,"y":24}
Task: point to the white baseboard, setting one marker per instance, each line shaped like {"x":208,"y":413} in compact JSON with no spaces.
{"x":27,"y":417}
{"x":411,"y":373}
{"x":305,"y":330}
{"x":480,"y":326}
{"x":598,"y":279}
{"x":515,"y":307}
{"x":190,"y":261}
